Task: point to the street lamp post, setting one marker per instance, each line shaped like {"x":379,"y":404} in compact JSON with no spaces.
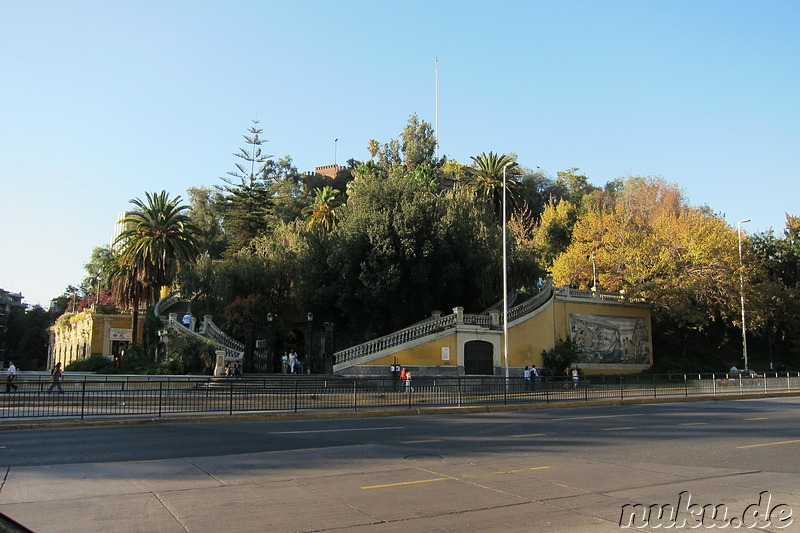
{"x":310,"y":343}
{"x":741,"y":291}
{"x":270,"y":343}
{"x":505,"y":278}
{"x":97,"y":300}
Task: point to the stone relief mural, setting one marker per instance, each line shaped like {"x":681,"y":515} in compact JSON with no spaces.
{"x":610,"y":339}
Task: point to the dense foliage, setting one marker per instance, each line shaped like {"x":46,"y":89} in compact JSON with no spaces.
{"x":383,"y":243}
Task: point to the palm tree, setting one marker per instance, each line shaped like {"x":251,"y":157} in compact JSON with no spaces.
{"x":486,"y":177}
{"x":322,"y":212}
{"x":157,"y":239}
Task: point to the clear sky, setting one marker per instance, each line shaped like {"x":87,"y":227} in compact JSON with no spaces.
{"x":103,"y":101}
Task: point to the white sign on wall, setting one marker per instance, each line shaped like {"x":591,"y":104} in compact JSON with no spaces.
{"x":120,"y":334}
{"x":445,"y":353}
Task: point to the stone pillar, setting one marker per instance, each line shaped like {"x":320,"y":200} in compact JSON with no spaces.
{"x":219,"y":367}
{"x":495,"y":318}
{"x":459,"y":312}
{"x":436,"y":314}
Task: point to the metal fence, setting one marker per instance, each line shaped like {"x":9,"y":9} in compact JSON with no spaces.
{"x":97,"y":396}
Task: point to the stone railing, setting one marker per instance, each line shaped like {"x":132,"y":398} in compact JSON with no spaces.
{"x":232,"y":347}
{"x":417,"y":331}
{"x":583,"y":294}
{"x":534,"y":303}
{"x":165,"y":303}
{"x":210,"y":331}
{"x":422,"y":329}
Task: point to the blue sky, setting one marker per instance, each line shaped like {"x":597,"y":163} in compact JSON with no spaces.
{"x":103,"y":101}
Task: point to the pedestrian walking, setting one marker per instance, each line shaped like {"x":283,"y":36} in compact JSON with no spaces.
{"x":407,"y":379}
{"x":575,"y":378}
{"x":56,"y":378}
{"x":527,"y":375}
{"x":534,"y":377}
{"x":11,"y":376}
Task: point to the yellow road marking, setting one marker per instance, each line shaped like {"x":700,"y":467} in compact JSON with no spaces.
{"x":406,"y":483}
{"x":617,"y":429}
{"x":419,"y":441}
{"x":769,"y":444}
{"x":528,"y":435}
{"x":758,"y":418}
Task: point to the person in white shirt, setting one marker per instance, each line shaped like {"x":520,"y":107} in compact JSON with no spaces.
{"x":11,"y":375}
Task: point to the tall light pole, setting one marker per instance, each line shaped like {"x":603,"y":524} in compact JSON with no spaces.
{"x":335,"y":147}
{"x":741,"y":290}
{"x":505,"y":278}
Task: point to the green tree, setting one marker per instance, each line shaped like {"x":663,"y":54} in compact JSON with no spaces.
{"x":322,"y":212}
{"x":419,"y":143}
{"x":206,"y":212}
{"x":486,"y":177}
{"x":573,"y":186}
{"x":418,"y":147}
{"x":247,"y":193}
{"x":553,"y":234}
{"x":395,"y":242}
{"x":158,"y":238}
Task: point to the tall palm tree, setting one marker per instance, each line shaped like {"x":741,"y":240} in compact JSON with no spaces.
{"x":158,"y":237}
{"x":322,"y":212}
{"x":486,"y":177}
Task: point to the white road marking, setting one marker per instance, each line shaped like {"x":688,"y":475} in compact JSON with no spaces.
{"x":333,"y":430}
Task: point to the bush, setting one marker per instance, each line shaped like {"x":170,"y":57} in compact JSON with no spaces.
{"x":187,"y":355}
{"x":137,"y":361}
{"x":93,"y":363}
{"x":562,"y":355}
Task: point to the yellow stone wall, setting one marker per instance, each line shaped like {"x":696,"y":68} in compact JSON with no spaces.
{"x":428,"y":354}
{"x":528,"y":337}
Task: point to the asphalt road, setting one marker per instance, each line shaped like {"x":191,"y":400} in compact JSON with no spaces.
{"x":539,"y":470}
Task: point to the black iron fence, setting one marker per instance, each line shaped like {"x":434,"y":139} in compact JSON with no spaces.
{"x":98,"y":396}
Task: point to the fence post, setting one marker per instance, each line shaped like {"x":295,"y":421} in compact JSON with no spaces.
{"x":230,"y":398}
{"x":160,"y":396}
{"x":355,"y":394}
{"x":458,"y":384}
{"x":621,"y":388}
{"x":295,"y":395}
{"x":714,"y":382}
{"x":83,"y":397}
{"x":685,"y":386}
{"x":546,"y":383}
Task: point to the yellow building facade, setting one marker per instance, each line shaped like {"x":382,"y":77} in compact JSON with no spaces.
{"x":613,"y":334}
{"x":79,"y":335}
